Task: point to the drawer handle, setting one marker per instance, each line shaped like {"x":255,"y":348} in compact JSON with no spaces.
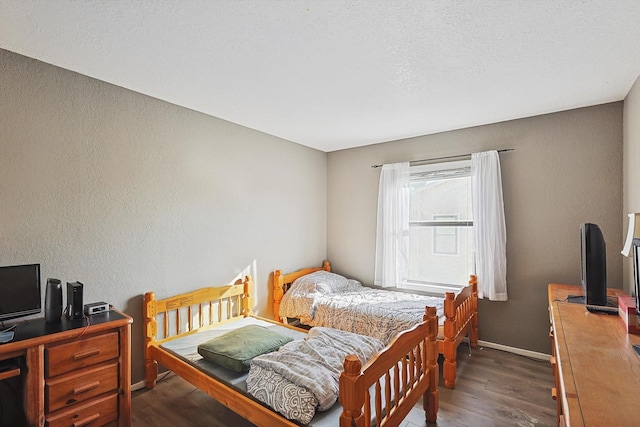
{"x":554,"y":393}
{"x":86,"y":387}
{"x":86,"y":354}
{"x":88,"y":420}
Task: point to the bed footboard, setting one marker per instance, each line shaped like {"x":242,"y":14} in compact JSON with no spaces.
{"x":400,"y":375}
{"x":461,"y":319}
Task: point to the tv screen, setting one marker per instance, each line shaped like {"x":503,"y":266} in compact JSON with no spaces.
{"x":593,"y":264}
{"x":20,"y":291}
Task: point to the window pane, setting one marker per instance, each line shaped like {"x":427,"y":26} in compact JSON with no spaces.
{"x":428,"y":265}
{"x":445,"y":241}
{"x":445,"y":238}
{"x":429,"y":198}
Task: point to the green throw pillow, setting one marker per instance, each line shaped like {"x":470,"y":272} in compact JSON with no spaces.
{"x":235,"y":349}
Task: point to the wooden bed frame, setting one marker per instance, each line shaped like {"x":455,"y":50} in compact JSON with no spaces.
{"x":460,"y":313}
{"x":410,"y":359}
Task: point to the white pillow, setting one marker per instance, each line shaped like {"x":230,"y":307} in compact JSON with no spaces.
{"x":322,"y":282}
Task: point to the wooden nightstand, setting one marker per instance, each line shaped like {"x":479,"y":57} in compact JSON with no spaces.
{"x":77,"y":372}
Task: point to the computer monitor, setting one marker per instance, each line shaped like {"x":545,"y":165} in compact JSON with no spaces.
{"x":19,"y":291}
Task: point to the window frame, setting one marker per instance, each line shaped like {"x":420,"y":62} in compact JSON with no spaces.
{"x":445,"y":170}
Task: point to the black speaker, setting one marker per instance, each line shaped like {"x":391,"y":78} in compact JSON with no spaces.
{"x":74,"y":300}
{"x":53,"y":301}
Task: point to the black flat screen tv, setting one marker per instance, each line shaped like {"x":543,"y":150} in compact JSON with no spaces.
{"x":593,"y":260}
{"x":20,"y":291}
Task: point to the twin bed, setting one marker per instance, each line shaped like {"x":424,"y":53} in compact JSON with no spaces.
{"x":317,"y":297}
{"x":378,"y":388}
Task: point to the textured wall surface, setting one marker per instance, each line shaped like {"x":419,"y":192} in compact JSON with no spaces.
{"x":631,"y":179}
{"x":566,"y":169}
{"x":128,"y":194}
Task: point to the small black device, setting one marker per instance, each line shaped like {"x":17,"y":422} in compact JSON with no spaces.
{"x":74,"y":300}
{"x":96,"y":308}
{"x":53,"y":301}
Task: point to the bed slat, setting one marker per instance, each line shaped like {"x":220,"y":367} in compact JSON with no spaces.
{"x":378,"y":397}
{"x":387,"y":390}
{"x":367,"y":405}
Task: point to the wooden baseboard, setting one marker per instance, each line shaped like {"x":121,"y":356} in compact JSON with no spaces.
{"x":141,"y":384}
{"x":137,"y":386}
{"x":515,"y":350}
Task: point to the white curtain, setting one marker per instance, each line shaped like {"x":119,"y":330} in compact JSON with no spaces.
{"x":490,"y":231}
{"x":392,"y":238}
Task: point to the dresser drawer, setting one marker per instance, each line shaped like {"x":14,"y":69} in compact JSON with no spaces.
{"x":96,"y":412}
{"x":66,"y":390}
{"x":78,"y":354}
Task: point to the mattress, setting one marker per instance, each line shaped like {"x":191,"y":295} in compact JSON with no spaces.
{"x":186,"y":349}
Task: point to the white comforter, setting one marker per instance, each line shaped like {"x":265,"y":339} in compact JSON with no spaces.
{"x":372,"y":312}
{"x":303,"y":375}
{"x":327,"y":299}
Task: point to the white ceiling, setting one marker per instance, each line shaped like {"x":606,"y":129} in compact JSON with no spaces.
{"x":337,"y":74}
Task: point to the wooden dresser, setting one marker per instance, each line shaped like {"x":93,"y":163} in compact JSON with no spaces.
{"x":73,"y":373}
{"x":597,"y":371}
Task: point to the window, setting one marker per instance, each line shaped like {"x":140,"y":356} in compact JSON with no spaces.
{"x":445,"y":239}
{"x":441,"y":251}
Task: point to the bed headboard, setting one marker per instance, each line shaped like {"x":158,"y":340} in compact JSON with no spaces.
{"x":168,"y":318}
{"x":282,"y":282}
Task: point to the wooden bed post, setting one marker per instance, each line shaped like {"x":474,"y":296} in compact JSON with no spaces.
{"x":449,"y":344}
{"x":247,"y":298}
{"x":473,"y":334}
{"x":352,"y":399}
{"x":150,"y":328}
{"x":430,"y":400}
{"x":278,"y":293}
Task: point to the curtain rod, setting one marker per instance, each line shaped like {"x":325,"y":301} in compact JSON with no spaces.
{"x":445,"y":158}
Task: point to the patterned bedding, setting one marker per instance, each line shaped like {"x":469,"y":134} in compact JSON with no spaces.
{"x":303,"y":375}
{"x":330,"y":300}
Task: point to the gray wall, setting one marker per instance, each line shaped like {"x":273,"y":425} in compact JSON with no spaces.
{"x":128,"y":194}
{"x":566,"y":169}
{"x":631,"y":180}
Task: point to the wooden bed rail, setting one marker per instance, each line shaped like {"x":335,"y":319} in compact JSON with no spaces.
{"x":282,"y":282}
{"x":186,"y":313}
{"x":397,"y":385}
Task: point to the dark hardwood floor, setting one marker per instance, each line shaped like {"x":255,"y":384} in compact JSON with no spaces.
{"x":493,"y":389}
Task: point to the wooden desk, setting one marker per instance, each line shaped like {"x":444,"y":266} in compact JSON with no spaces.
{"x":75,"y":373}
{"x":596,"y":368}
